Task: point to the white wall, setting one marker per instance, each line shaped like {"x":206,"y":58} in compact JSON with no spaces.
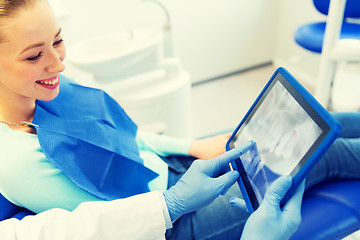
{"x":212,"y":37}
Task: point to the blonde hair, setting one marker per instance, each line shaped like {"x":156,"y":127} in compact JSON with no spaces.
{"x":9,"y":8}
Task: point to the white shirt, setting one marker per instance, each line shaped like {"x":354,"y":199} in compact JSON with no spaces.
{"x":143,"y":216}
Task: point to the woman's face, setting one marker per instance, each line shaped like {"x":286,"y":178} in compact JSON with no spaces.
{"x":31,"y":54}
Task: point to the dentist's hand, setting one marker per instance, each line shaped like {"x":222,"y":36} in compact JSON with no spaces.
{"x":201,"y":184}
{"x":271,"y":222}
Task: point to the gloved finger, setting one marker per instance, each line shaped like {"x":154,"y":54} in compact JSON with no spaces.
{"x":238,"y":202}
{"x":293,"y":205}
{"x":215,"y":165}
{"x":277,"y":191}
{"x":226,"y":181}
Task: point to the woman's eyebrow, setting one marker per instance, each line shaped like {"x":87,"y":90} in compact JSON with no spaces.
{"x":58,"y":33}
{"x":35,"y":45}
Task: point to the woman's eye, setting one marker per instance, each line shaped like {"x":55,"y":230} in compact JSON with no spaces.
{"x":35,"y":58}
{"x":58,"y":42}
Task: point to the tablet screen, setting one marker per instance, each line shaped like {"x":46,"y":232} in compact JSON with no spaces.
{"x":286,"y":130}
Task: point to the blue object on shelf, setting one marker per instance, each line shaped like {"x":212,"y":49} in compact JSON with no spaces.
{"x":311,"y":35}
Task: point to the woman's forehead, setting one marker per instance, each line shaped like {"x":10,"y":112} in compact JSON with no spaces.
{"x":30,"y":24}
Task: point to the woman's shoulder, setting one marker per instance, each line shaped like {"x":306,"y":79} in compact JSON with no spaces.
{"x":16,"y":146}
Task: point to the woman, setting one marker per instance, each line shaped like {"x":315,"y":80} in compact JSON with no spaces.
{"x":31,"y":58}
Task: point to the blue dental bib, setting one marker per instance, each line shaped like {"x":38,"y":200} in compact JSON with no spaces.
{"x":89,"y":137}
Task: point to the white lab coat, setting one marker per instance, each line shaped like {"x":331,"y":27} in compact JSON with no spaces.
{"x":139,"y":217}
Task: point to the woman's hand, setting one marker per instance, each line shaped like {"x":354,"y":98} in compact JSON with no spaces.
{"x":210,"y":147}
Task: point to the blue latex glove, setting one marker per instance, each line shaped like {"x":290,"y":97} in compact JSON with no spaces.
{"x":269,"y":221}
{"x":201,"y":184}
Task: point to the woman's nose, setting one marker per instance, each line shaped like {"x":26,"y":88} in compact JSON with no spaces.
{"x":56,"y":62}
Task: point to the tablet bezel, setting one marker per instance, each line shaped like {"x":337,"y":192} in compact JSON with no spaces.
{"x":330,"y":130}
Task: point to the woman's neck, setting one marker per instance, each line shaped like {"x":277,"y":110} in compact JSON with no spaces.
{"x":17,"y":109}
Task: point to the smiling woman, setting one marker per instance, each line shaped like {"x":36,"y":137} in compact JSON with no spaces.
{"x":82,"y":145}
{"x":31,"y":58}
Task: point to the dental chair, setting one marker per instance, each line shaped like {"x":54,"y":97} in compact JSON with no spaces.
{"x":330,"y":211}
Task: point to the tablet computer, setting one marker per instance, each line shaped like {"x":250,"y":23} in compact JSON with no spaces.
{"x":291,"y":131}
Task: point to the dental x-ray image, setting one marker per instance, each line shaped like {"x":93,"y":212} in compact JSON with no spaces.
{"x":283,"y":132}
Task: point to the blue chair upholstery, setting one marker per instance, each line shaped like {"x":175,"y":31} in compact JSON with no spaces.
{"x":9,"y":210}
{"x":311,"y":35}
{"x":330,"y":211}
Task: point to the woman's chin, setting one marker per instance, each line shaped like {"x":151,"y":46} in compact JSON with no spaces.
{"x":50,"y":97}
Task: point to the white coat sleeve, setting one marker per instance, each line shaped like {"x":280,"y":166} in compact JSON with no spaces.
{"x":142,"y":216}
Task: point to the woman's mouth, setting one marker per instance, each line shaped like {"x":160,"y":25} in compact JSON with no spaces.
{"x":50,"y":83}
